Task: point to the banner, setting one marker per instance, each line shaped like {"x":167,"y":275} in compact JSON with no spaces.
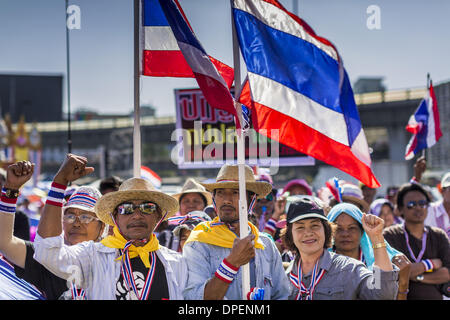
{"x":206,"y":138}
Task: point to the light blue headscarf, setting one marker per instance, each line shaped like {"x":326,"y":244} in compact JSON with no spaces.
{"x":365,"y":244}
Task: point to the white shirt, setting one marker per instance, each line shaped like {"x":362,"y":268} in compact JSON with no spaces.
{"x":94,"y":267}
{"x":437,"y":217}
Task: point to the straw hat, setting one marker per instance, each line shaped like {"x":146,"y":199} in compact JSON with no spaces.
{"x":134,"y":189}
{"x":192,"y":186}
{"x":228,"y":177}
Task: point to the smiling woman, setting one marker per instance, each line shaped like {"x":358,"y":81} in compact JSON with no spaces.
{"x":317,"y":273}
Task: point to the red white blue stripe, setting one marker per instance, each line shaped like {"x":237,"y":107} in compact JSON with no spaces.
{"x":127,"y":273}
{"x":182,"y":219}
{"x":213,"y":86}
{"x":296,"y":280}
{"x":83,"y":199}
{"x":424,"y":124}
{"x":161,"y":54}
{"x":151,"y":176}
{"x":297,"y":84}
{"x":55,"y":196}
{"x":7,"y":205}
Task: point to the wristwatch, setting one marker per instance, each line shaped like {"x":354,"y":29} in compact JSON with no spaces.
{"x":419,"y":277}
{"x":11,"y":193}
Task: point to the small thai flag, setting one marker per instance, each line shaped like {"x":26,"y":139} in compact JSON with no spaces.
{"x":150,"y":175}
{"x":424,"y":124}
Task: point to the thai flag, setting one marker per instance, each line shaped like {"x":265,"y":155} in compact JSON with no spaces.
{"x":297,"y":84}
{"x":424,"y":124}
{"x":151,"y":176}
{"x":214,"y":87}
{"x":161,"y":55}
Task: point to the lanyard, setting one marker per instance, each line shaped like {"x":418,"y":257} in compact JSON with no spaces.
{"x":424,"y":245}
{"x":77,"y":294}
{"x":296,"y":280}
{"x":127,"y":273}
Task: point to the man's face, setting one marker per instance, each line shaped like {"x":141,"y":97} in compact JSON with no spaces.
{"x":227,"y":202}
{"x":412,"y":211}
{"x":446,"y":194}
{"x":76,"y":231}
{"x":137,"y":225}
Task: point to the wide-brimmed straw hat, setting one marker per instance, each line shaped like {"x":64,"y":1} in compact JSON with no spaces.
{"x":228,"y":178}
{"x":134,"y":189}
{"x":192,"y":186}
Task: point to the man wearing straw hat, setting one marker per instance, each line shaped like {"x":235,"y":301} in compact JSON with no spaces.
{"x":214,"y":251}
{"x":130,"y":264}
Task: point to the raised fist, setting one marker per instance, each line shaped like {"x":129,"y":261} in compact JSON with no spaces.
{"x":73,"y":168}
{"x":17,"y":174}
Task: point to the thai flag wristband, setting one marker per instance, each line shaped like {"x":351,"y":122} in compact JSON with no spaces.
{"x":255,"y":294}
{"x":271,"y":225}
{"x":226,"y":272}
{"x":56,"y":194}
{"x":429,"y":266}
{"x":7,"y":205}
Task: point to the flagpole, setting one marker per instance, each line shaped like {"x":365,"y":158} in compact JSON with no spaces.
{"x":243,"y":219}
{"x":69,"y":129}
{"x":137,"y":69}
{"x":428,"y":90}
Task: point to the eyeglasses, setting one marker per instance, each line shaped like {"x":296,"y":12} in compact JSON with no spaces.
{"x":421,"y":203}
{"x":128,"y":208}
{"x":83,"y":218}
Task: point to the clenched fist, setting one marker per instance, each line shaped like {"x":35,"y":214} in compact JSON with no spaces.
{"x":73,"y":168}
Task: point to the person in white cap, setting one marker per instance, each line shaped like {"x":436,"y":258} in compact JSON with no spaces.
{"x":439,"y":212}
{"x":79,"y":224}
{"x":113,"y":269}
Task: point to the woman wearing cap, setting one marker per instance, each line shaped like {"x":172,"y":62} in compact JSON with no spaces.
{"x":79,"y":224}
{"x":130,"y":264}
{"x":317,"y":273}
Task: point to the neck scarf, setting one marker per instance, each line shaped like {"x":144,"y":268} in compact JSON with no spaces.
{"x":218,"y":234}
{"x":118,"y":241}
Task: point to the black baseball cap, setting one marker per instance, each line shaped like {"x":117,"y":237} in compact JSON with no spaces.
{"x":304,"y":208}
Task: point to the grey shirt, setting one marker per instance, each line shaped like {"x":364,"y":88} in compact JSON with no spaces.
{"x":266,"y":270}
{"x":346,"y":278}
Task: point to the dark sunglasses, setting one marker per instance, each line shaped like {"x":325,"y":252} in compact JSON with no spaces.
{"x":145,"y":208}
{"x":421,"y":203}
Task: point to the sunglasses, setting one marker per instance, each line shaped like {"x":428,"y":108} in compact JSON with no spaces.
{"x":145,"y":208}
{"x":421,"y":203}
{"x":83,"y":218}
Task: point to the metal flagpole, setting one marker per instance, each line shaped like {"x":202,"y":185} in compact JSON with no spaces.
{"x":69,"y":130}
{"x":428,"y":90}
{"x":137,"y":71}
{"x":243,"y":219}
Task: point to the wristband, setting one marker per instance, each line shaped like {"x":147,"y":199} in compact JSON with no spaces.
{"x":271,"y":225}
{"x":7,"y":205}
{"x":226,"y":272}
{"x":56,"y":194}
{"x":428,"y":265}
{"x":255,"y":294}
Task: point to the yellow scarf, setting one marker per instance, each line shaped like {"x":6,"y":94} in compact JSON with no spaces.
{"x":220,"y":235}
{"x":118,"y":241}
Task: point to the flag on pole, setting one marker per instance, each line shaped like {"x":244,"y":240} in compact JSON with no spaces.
{"x":297,"y":84}
{"x":424,"y":124}
{"x":161,"y":54}
{"x":215,"y":89}
{"x":151,"y":176}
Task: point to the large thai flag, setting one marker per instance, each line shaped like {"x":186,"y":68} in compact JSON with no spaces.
{"x":424,"y":124}
{"x":161,"y":55}
{"x":214,"y":87}
{"x":151,"y":176}
{"x":297,"y":84}
{"x":14,"y":288}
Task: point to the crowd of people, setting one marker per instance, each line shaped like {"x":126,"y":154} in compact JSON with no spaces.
{"x":128,"y":240}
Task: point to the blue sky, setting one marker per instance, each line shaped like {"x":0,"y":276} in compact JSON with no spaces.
{"x":412,"y":41}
